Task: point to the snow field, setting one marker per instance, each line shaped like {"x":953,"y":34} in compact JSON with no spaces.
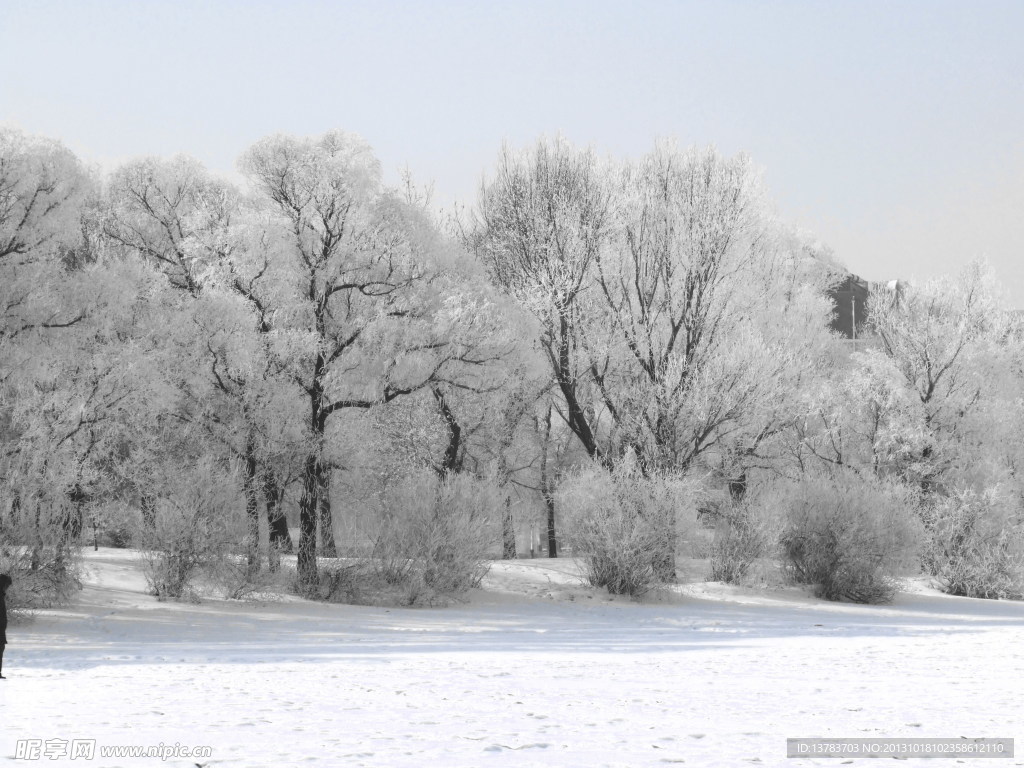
{"x":533,"y":671}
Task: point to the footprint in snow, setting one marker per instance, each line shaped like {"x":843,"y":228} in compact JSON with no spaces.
{"x":500,"y":747}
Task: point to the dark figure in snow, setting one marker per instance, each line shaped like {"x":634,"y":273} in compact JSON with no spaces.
{"x":5,"y":582}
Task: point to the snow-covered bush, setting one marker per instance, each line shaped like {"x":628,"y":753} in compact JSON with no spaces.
{"x":39,"y":583}
{"x":851,"y":536}
{"x":976,"y":544}
{"x":39,"y":549}
{"x":435,"y":535}
{"x":115,"y":524}
{"x":192,"y":529}
{"x":233,"y":577}
{"x":350,"y":583}
{"x":620,"y":522}
{"x":743,"y":533}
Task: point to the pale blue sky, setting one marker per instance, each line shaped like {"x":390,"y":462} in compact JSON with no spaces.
{"x":893,"y":130}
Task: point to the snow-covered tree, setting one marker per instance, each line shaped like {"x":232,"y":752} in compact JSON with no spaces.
{"x":936,"y":336}
{"x":678,"y":317}
{"x":712,"y":318}
{"x":43,"y":188}
{"x":363,"y":314}
{"x":540,"y":226}
{"x":173,"y":213}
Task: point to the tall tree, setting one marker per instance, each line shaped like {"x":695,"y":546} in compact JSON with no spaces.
{"x":711,"y":314}
{"x":674,"y":310}
{"x":43,"y":188}
{"x":52,"y":391}
{"x":365,"y":315}
{"x":670,"y":302}
{"x":197,"y":232}
{"x":540,"y":226}
{"x":172,"y":213}
{"x":934,"y":337}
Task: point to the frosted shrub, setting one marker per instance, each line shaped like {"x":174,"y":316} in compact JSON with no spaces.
{"x":193,"y":530}
{"x":115,"y":524}
{"x":38,"y":551}
{"x":744,"y":533}
{"x":436,"y":535}
{"x":232,"y":576}
{"x":620,"y":523}
{"x":851,"y":536}
{"x":976,"y":546}
{"x":39,"y":583}
{"x":352,"y":583}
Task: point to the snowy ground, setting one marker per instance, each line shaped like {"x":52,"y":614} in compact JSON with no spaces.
{"x":534,"y":670}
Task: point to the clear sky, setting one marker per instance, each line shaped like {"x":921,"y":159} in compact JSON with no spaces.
{"x":892,"y":130}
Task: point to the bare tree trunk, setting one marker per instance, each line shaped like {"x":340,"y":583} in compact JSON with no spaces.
{"x":15,"y":510}
{"x":75,"y":518}
{"x":72,"y":520}
{"x":577,"y":415}
{"x":450,"y":463}
{"x":307,"y":568}
{"x":36,"y":561}
{"x":508,"y":532}
{"x":252,"y":512}
{"x":312,"y":473}
{"x":328,"y":545}
{"x":277,"y":522}
{"x":738,"y":487}
{"x":664,"y":555}
{"x":547,"y":486}
{"x":147,"y":505}
{"x":549,"y":503}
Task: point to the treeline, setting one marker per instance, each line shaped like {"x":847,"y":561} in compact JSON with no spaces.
{"x":628,"y":358}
